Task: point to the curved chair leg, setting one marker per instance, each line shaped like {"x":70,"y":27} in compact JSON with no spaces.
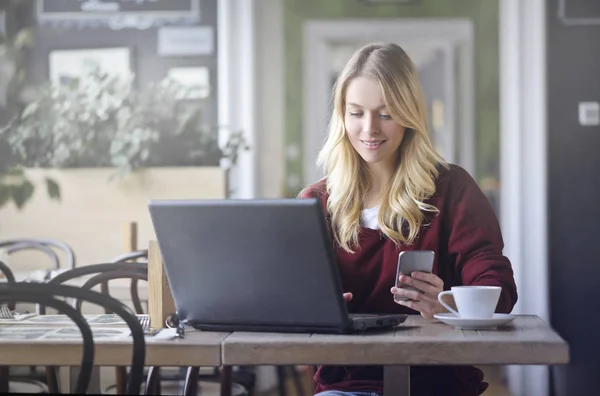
{"x":52,"y":380}
{"x":191,"y":381}
{"x":297,"y":381}
{"x":153,"y":381}
{"x":281,"y":379}
{"x":226,"y":379}
{"x":121,"y":379}
{"x":4,"y":379}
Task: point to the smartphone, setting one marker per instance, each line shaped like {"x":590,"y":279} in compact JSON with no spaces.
{"x":410,"y":261}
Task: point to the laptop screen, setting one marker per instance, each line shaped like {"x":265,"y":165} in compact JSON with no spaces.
{"x":250,"y":262}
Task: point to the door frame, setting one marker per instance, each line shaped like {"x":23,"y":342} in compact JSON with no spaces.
{"x":523,"y":168}
{"x":449,"y":34}
{"x":237,"y":89}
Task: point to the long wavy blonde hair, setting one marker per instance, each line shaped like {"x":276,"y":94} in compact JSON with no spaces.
{"x":401,"y":214}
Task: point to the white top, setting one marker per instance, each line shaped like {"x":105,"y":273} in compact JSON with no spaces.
{"x":368,"y":218}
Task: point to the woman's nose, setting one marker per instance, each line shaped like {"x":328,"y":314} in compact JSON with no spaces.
{"x":371,"y":125}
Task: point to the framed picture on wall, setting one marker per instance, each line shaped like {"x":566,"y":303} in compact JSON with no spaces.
{"x":68,"y":65}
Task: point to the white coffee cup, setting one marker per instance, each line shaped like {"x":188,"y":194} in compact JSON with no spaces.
{"x":473,"y":302}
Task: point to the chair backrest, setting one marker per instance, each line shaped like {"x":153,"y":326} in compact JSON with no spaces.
{"x":104,"y":277}
{"x":138,"y":255}
{"x":44,"y":245}
{"x":18,"y":246}
{"x":6,"y":271}
{"x":105,"y":272}
{"x":41,"y":291}
{"x":20,"y":292}
{"x":10,"y":278}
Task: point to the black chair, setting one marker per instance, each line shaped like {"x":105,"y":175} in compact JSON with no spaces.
{"x":103,"y":273}
{"x":225,"y":375}
{"x":10,"y":278}
{"x":137,"y":256}
{"x":29,"y":245}
{"x":134,"y":265}
{"x":19,"y":292}
{"x":24,"y":375}
{"x":132,"y":270}
{"x":136,"y":371}
{"x":47,"y":246}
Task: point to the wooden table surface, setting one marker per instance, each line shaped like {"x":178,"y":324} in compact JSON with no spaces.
{"x":196,"y":349}
{"x":527,"y":340}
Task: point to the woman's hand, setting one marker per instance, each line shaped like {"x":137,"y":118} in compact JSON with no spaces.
{"x":425,"y":299}
{"x":347,"y":297}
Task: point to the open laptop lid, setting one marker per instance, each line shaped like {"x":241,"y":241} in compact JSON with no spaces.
{"x":250,"y":262}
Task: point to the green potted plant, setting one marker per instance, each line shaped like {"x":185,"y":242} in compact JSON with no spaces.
{"x":101,"y":121}
{"x":15,"y":186}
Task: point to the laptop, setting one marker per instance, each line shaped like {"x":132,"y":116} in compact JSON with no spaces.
{"x":255,"y":265}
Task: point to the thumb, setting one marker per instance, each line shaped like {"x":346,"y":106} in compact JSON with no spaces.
{"x":347,"y":297}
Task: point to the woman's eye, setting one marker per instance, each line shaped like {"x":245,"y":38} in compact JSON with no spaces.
{"x":355,"y":114}
{"x":385,"y":116}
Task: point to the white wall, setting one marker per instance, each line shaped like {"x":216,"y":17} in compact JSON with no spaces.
{"x":237,"y":88}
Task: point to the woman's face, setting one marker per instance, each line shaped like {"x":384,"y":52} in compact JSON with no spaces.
{"x":370,"y":128}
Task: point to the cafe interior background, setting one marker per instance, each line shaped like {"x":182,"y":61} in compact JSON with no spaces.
{"x":114,"y":102}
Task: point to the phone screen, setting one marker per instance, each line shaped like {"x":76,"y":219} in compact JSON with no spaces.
{"x":410,"y":261}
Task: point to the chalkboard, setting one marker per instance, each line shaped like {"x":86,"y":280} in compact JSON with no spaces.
{"x":69,"y":9}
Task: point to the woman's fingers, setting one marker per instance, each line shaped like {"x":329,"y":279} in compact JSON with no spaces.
{"x":414,"y":295}
{"x":430,"y":278}
{"x":424,"y":297}
{"x":425,"y":287}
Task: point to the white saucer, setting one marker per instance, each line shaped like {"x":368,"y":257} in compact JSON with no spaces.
{"x":474,"y":324}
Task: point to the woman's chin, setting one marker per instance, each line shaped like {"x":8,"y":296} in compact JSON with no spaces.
{"x":371,"y":159}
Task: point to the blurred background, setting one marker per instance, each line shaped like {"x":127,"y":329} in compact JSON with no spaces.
{"x":106,"y":104}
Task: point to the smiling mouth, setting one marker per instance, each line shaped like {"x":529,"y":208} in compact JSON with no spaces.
{"x":373,"y":144}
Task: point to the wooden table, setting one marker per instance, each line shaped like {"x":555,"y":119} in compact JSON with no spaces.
{"x":527,"y":340}
{"x":196,"y":349}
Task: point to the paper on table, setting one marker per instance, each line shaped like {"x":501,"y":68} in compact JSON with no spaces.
{"x":63,"y":320}
{"x":100,"y":333}
{"x":18,"y":317}
{"x":165,"y":334}
{"x":60,"y":333}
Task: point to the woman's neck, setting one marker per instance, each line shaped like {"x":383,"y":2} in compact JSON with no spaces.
{"x":379,"y":177}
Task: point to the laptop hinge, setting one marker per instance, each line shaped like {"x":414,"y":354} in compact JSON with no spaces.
{"x":173,"y":321}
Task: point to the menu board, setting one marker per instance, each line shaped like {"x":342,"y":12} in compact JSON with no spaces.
{"x":75,"y":9}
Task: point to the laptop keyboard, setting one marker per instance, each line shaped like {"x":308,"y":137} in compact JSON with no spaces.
{"x":362,"y":316}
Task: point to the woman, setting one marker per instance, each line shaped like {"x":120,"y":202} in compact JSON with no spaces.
{"x":386,"y":190}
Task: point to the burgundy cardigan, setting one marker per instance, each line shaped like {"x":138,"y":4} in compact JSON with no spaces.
{"x":467,"y":242}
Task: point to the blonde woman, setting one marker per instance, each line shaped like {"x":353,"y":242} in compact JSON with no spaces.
{"x":386,"y":190}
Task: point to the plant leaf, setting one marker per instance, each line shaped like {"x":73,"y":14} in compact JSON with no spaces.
{"x":5,"y":194}
{"x":21,"y":194}
{"x":53,"y":189}
{"x":15,"y":172}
